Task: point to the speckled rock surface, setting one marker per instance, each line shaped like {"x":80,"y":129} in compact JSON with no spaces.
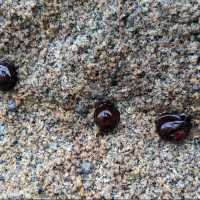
{"x":142,"y":55}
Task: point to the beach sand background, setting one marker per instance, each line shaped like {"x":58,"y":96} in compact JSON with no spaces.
{"x":142,"y":55}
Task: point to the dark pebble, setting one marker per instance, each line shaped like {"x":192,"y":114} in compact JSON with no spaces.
{"x":18,"y":157}
{"x":40,"y":190}
{"x":12,"y":106}
{"x":2,"y":178}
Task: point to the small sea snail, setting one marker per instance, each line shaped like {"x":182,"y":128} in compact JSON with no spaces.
{"x":173,"y":127}
{"x":106,"y":116}
{"x":8,"y":76}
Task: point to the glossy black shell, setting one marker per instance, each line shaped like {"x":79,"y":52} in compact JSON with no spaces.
{"x":106,"y":116}
{"x":173,"y":127}
{"x":8,"y":76}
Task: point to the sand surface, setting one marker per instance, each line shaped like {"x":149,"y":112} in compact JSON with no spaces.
{"x":142,"y":55}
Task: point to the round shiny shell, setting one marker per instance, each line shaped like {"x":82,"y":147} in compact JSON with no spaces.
{"x":173,"y":127}
{"x":106,"y":116}
{"x":8,"y":76}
